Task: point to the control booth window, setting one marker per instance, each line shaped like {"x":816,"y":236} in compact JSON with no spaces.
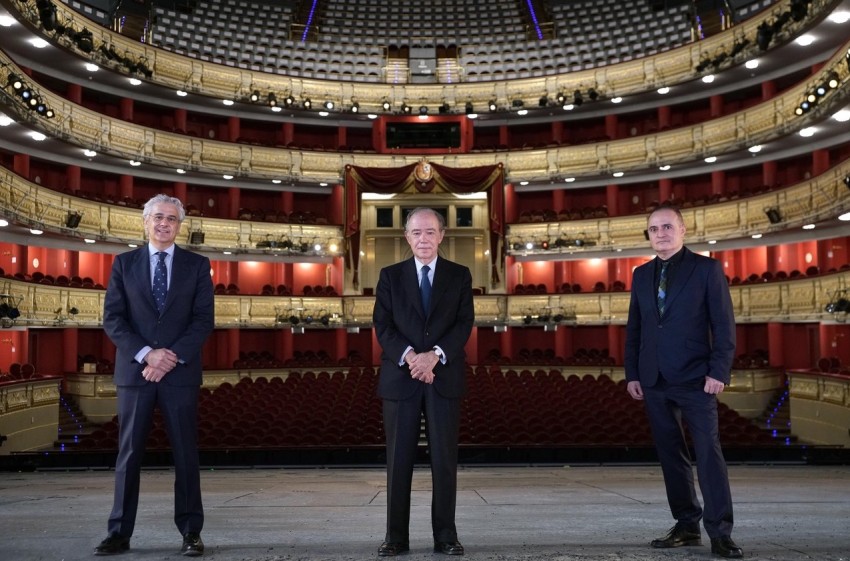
{"x":423,"y":135}
{"x":385,"y":217}
{"x":463,"y":217}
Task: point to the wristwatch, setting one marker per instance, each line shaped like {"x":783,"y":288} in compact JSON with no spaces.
{"x":439,"y":353}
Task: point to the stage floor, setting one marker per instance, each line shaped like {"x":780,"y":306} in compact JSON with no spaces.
{"x":782,"y":512}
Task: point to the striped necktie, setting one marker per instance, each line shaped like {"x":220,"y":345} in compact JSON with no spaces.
{"x":160,"y":281}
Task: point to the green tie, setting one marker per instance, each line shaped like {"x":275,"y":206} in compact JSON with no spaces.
{"x":662,"y":288}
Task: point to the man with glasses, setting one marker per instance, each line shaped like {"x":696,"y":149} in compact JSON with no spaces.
{"x":158,"y":312}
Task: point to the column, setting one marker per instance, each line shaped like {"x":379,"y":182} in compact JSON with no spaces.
{"x":180,"y":120}
{"x":612,"y":199}
{"x":233,"y":200}
{"x":665,"y":189}
{"x":664,"y":116}
{"x":611,"y":123}
{"x":70,"y":344}
{"x":21,"y":165}
{"x":768,"y":172}
{"x":125,"y":186}
{"x":820,"y":161}
{"x":716,"y":106}
{"x":718,"y":182}
{"x":234,"y":129}
{"x":73,"y":176}
{"x":615,"y":343}
{"x":340,"y":343}
{"x":126,"y":106}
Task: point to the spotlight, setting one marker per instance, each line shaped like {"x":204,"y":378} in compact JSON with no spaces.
{"x":492,"y":105}
{"x":405,"y":108}
{"x":544,"y":101}
{"x":821,"y":90}
{"x":47,"y":14}
{"x":84,"y":40}
{"x":386,"y":105}
{"x":423,"y":110}
{"x":592,"y":94}
{"x":517,"y":103}
{"x":307,"y":103}
{"x":444,"y":108}
{"x":773,"y":215}
{"x":272,"y":100}
{"x":764,"y":35}
{"x":469,"y":108}
{"x":196,"y":237}
{"x":33,"y":102}
{"x":15,"y":81}
{"x":799,"y":9}
{"x":577,"y":98}
{"x":562,"y":97}
{"x":329,"y":105}
{"x":40,"y":107}
{"x":255,"y":96}
{"x":811,"y":97}
{"x":288,"y":100}
{"x":49,"y":113}
{"x":355,"y":107}
{"x":72,"y":219}
{"x":832,"y":80}
{"x":25,"y":93}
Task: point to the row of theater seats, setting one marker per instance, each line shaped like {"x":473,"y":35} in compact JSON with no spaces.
{"x":769,"y":276}
{"x":569,"y":288}
{"x":341,"y":408}
{"x":316,"y":290}
{"x":832,"y":365}
{"x":18,"y":372}
{"x":547,"y":357}
{"x":253,"y":360}
{"x":294,"y":217}
{"x":73,"y":281}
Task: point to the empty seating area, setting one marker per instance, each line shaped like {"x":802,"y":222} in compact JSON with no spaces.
{"x":73,"y":281}
{"x":18,"y":372}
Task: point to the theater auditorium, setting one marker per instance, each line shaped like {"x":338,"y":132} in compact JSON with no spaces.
{"x":299,"y":135}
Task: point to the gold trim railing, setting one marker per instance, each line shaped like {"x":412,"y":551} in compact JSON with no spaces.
{"x":792,"y":301}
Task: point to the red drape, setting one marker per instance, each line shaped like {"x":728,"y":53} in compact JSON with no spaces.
{"x":489,"y":179}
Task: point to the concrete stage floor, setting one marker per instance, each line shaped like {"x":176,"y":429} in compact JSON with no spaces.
{"x":564,"y":513}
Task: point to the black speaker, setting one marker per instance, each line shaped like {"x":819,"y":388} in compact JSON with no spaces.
{"x":773,"y":215}
{"x":72,"y":220}
{"x":196,"y":238}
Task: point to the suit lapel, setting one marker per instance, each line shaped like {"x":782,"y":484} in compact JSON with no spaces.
{"x":177,"y":268}
{"x":410,"y":281}
{"x":683,"y":273}
{"x":142,"y":274}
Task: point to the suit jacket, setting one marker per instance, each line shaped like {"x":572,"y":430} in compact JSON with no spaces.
{"x":132,"y":321}
{"x":400,"y":322}
{"x":695,"y":337}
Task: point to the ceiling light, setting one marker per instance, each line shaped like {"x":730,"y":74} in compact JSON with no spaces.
{"x":227,"y":176}
{"x":227,"y":252}
{"x":3,"y":221}
{"x":323,"y":184}
{"x":711,"y":159}
{"x":372,"y":116}
{"x":276,"y":181}
{"x":36,"y":231}
{"x":135,"y":82}
{"x":277,"y":109}
{"x":35,"y":135}
{"x":569,"y":107}
{"x":805,"y":40}
{"x":845,"y":217}
{"x":808,"y":227}
{"x":842,"y":116}
{"x":752,"y":64}
{"x":5,"y":120}
{"x":227,"y":102}
{"x":529,"y":245}
{"x":708,"y":79}
{"x":522,"y":112}
{"x":617,"y":99}
{"x":181,"y":171}
{"x":6,"y":21}
{"x":181,"y":93}
{"x":755,"y":149}
{"x":472,"y":115}
{"x":569,"y":179}
{"x":323,"y":113}
{"x":92,"y":67}
{"x":712,"y":242}
{"x":135,"y":163}
{"x":756,"y":236}
{"x":133,"y":245}
{"x":523,"y":182}
{"x":834,"y":17}
{"x":664,"y":90}
{"x":38,"y":42}
{"x":807,"y":132}
{"x":664,"y":167}
{"x":618,"y":174}
{"x":88,"y":240}
{"x":89,"y":153}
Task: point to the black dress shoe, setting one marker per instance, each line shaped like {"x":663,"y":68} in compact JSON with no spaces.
{"x":678,"y":536}
{"x":391,"y":549}
{"x":112,"y":545}
{"x":193,"y":545}
{"x":448,"y":548}
{"x":725,"y":547}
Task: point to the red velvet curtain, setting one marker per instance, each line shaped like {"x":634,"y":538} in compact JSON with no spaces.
{"x":488,"y":179}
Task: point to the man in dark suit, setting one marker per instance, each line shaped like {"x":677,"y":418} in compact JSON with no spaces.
{"x":680,"y":342}
{"x":158,"y":311}
{"x":423,"y":317}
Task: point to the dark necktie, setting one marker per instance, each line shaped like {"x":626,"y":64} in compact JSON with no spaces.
{"x":160,"y":281}
{"x":425,"y":288}
{"x":662,"y":288}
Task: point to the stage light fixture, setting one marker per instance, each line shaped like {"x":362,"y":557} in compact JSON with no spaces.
{"x":197,"y":237}
{"x":307,"y":104}
{"x":492,"y":105}
{"x":355,"y":107}
{"x":386,"y":105}
{"x":544,"y":101}
{"x":72,"y":219}
{"x":405,"y":108}
{"x":764,"y":35}
{"x":84,"y":40}
{"x":577,"y":98}
{"x":592,"y":94}
{"x":773,"y":215}
{"x":423,"y":110}
{"x":47,"y":14}
{"x":41,"y":107}
{"x":288,"y":100}
{"x":811,"y":97}
{"x":329,"y":105}
{"x":517,"y":103}
{"x":562,"y":97}
{"x":15,"y":81}
{"x":832,"y":80}
{"x":821,"y":90}
{"x":255,"y":96}
{"x":444,"y":108}
{"x":272,"y":100}
{"x":469,"y":108}
{"x":49,"y":113}
{"x":33,"y":102}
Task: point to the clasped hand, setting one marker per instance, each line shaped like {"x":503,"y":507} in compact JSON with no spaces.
{"x":159,"y":363}
{"x":422,"y":365}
